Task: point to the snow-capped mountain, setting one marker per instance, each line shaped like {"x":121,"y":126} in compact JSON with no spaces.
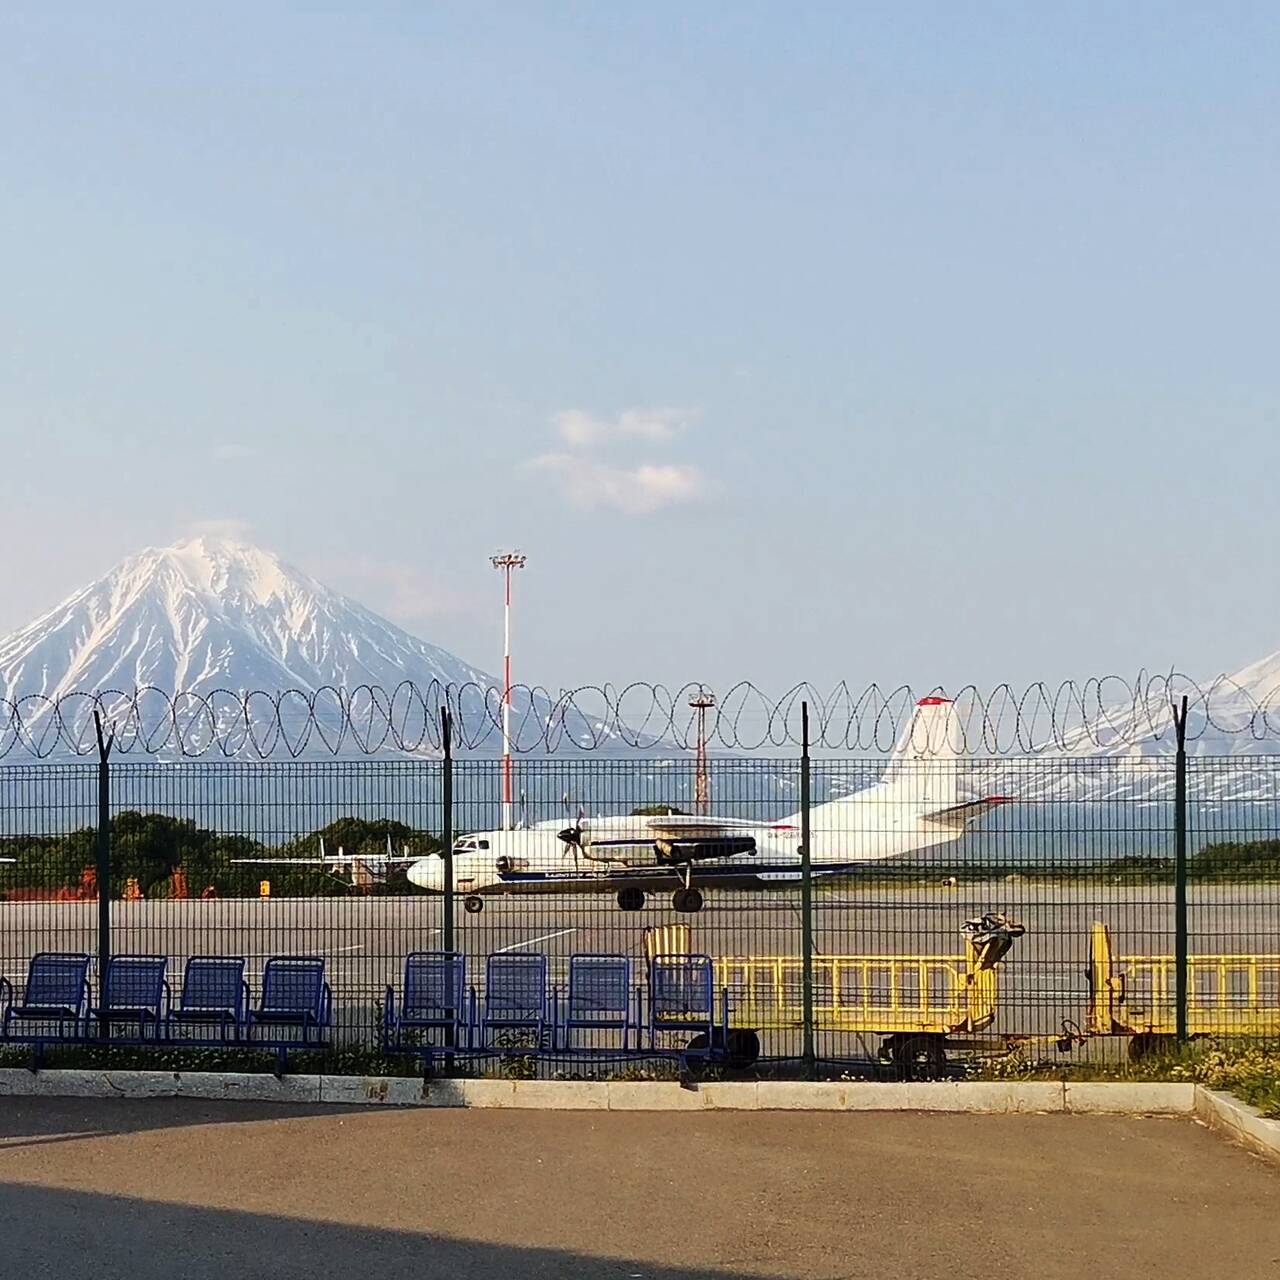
{"x":214,"y":614}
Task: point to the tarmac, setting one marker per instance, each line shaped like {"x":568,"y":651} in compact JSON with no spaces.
{"x":151,"y":1190}
{"x":365,"y":938}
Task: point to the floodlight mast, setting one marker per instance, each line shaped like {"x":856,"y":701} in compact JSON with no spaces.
{"x":506,"y":561}
{"x":702,"y":702}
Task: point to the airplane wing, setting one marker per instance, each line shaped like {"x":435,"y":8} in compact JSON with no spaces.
{"x":283,"y":862}
{"x":959,"y":815}
{"x":329,"y":860}
{"x":690,"y":826}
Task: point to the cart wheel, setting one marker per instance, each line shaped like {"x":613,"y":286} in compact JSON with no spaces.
{"x":742,"y":1048}
{"x":918,"y":1057}
{"x":687,"y":901}
{"x":630,"y":899}
{"x":473,"y":904}
{"x":1146,"y":1043}
{"x":694,"y":1058}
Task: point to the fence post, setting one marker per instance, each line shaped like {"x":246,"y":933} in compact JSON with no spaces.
{"x":1180,"y":869}
{"x":806,"y":899}
{"x":446,"y":824}
{"x":102,"y":845}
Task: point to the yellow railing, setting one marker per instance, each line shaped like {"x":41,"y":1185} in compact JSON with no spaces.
{"x":938,"y":994}
{"x":1228,"y":994}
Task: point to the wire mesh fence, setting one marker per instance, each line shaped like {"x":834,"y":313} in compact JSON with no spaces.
{"x":628,"y":915}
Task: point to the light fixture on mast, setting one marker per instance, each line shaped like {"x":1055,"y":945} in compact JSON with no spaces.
{"x":506,"y":561}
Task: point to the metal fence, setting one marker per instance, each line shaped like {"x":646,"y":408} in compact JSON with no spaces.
{"x":1147,"y":892}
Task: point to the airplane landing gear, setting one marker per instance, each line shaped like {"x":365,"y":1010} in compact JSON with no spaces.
{"x":473,"y":904}
{"x":630,"y":899}
{"x":687,"y":901}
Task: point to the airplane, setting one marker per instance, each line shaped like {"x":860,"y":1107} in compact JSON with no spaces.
{"x":915,"y":806}
{"x":364,"y":868}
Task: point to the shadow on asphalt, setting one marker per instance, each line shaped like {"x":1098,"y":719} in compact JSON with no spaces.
{"x":72,"y":1234}
{"x":28,"y":1122}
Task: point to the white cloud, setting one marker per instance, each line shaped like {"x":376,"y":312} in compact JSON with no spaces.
{"x":581,"y":430}
{"x":638,"y":490}
{"x":232,"y":452}
{"x":229,"y":527}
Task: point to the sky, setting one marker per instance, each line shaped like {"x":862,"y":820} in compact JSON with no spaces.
{"x":866,"y":342}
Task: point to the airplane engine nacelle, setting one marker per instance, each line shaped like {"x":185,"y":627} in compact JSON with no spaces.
{"x":678,"y":851}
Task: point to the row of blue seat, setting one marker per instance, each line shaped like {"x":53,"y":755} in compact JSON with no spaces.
{"x":55,"y":1007}
{"x":438,"y":1011}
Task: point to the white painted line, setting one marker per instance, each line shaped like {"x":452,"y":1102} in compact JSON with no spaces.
{"x":267,"y":955}
{"x":515,"y":946}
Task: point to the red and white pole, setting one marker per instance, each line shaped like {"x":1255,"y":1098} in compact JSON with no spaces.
{"x":506,"y":562}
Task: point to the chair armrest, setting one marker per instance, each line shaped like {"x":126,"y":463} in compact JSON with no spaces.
{"x":247,"y":999}
{"x":388,"y":1007}
{"x":326,"y":1004}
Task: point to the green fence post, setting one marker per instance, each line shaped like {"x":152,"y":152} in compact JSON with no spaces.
{"x":806,"y":899}
{"x":1180,"y":869}
{"x":446,"y":824}
{"x":102,"y":845}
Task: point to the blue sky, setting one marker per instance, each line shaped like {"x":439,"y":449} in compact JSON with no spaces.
{"x":876,"y":342}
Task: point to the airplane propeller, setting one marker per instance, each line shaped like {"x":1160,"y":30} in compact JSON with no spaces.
{"x":572,"y":836}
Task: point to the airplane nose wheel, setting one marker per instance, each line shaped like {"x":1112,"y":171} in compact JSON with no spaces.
{"x":631,"y":899}
{"x":473,"y":904}
{"x":687,"y":901}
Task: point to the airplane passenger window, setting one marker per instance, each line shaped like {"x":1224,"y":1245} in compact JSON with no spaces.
{"x":484,"y":844}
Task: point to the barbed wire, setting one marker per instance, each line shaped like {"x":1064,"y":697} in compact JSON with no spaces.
{"x":1109,"y":713}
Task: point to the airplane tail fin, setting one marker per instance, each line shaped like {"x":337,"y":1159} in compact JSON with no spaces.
{"x":925,"y":765}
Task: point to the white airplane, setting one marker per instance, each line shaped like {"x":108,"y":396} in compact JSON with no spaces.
{"x":364,"y":868}
{"x":914,"y":806}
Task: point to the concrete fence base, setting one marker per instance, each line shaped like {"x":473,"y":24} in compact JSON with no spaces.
{"x":992,"y":1097}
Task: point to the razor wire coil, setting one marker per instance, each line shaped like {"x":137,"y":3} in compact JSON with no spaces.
{"x":1110,"y":713}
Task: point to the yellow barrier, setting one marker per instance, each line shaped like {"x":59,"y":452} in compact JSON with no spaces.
{"x":667,"y":940}
{"x":1229,"y":994}
{"x":936,"y":994}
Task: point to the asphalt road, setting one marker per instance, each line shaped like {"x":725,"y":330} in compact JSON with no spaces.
{"x":159,"y":1189}
{"x":365,"y":939}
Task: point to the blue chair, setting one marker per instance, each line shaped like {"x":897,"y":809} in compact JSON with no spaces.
{"x":599,"y":997}
{"x":435,"y":1000}
{"x":56,"y":991}
{"x":294,"y":995}
{"x":515,"y":996}
{"x":134,"y":990}
{"x":214,"y":994}
{"x":681,"y":999}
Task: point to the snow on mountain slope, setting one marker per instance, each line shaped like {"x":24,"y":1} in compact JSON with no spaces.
{"x":214,"y":613}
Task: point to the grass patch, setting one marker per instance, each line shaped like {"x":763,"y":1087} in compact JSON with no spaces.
{"x":1249,"y":1069}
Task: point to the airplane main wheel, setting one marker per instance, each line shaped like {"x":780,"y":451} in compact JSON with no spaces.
{"x":473,"y":904}
{"x":631,"y":899}
{"x":687,"y":901}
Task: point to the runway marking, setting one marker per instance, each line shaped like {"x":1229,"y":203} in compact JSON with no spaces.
{"x":515,"y":946}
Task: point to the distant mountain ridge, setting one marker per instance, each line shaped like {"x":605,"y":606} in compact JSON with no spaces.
{"x":214,"y":613}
